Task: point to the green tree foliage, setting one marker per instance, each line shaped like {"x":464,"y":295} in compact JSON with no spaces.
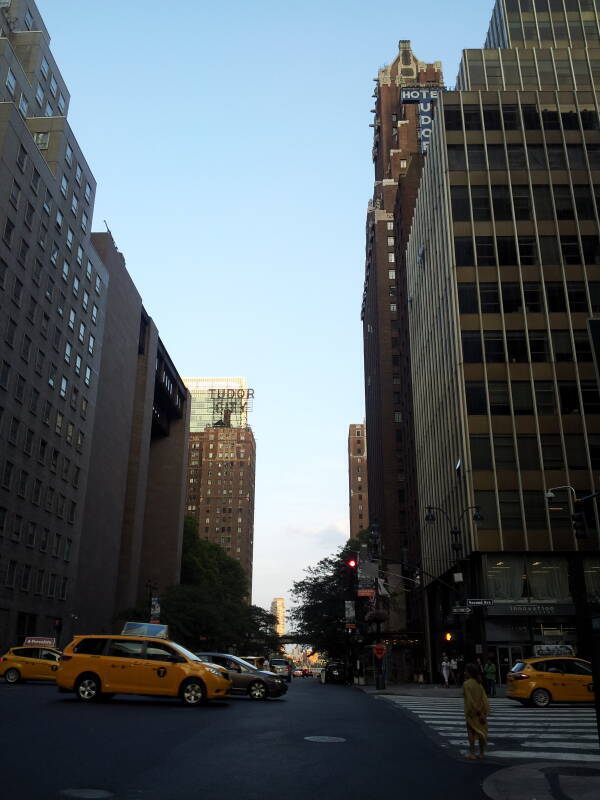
{"x":318,"y":615}
{"x":209,"y":609}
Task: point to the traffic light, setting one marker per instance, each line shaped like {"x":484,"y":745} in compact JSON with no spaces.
{"x":350,"y":573}
{"x":579,"y":525}
{"x":448,"y":637}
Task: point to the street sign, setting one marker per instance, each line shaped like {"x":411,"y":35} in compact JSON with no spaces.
{"x":365,"y":593}
{"x":462,"y":610}
{"x":379,"y":650}
{"x":480,"y":601}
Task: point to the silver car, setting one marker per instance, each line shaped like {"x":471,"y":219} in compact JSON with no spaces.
{"x":246,"y":679}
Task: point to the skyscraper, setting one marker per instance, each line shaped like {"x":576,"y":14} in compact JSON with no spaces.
{"x":278,"y":611}
{"x":358,"y":489}
{"x":503,"y":268}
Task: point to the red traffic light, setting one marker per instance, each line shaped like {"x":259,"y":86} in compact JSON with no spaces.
{"x":351,"y":563}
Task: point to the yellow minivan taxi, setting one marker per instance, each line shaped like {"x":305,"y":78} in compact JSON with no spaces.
{"x":29,"y":664}
{"x":541,"y":681}
{"x":96,"y":667}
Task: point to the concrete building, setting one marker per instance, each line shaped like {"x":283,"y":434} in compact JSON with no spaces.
{"x":220,"y":490}
{"x":358,"y":488}
{"x":134,"y":508}
{"x":52,"y":311}
{"x":503,"y":267}
{"x":278,"y":611}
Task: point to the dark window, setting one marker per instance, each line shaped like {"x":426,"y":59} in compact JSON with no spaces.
{"x":522,"y":397}
{"x":453,"y":118}
{"x":494,"y":346}
{"x":570,"y":249}
{"x":562,"y":199}
{"x":555,"y":295}
{"x":472,"y":350}
{"x":550,"y":116}
{"x":491,"y":118}
{"x":510,"y":114}
{"x":511,"y":298}
{"x":561,"y":345}
{"x":545,"y":399}
{"x":472,"y":117}
{"x":522,"y":202}
{"x":162,"y":652}
{"x":516,"y":344}
{"x":504,"y":452}
{"x":457,"y":159}
{"x":476,"y":156}
{"x":576,"y":452}
{"x":461,"y":210}
{"x":552,"y":452}
{"x":591,"y":249}
{"x":569,"y":397}
{"x":490,"y":300}
{"x":577,"y":296}
{"x":507,"y":251}
{"x":510,"y":510}
{"x":591,"y":398}
{"x":538,"y":345}
{"x":589,"y":119}
{"x":481,"y":452}
{"x":549,"y":252}
{"x":543,"y":202}
{"x":501,"y":202}
{"x":496,"y":156}
{"x":481,"y":203}
{"x":476,"y":401}
{"x":593,"y":155}
{"x":584,"y":202}
{"x":533,"y":297}
{"x":485,"y":251}
{"x":499,"y":401}
{"x":467,"y":298}
{"x":556,"y":156}
{"x":528,"y":452}
{"x":576,"y":155}
{"x":516,"y":156}
{"x":121,"y":648}
{"x":463,"y":247}
{"x":90,"y":647}
{"x":531,"y":117}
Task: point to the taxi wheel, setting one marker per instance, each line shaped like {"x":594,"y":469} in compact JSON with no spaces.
{"x":12,"y":675}
{"x":193,"y":692}
{"x":540,"y":698}
{"x":257,"y":691}
{"x":88,"y":687}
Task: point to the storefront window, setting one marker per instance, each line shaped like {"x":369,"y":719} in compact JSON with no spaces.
{"x":591,"y":568}
{"x":548,"y":578}
{"x":506,"y":577}
{"x":512,"y":578}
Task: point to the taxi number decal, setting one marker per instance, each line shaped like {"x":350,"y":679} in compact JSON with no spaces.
{"x":161,"y":672}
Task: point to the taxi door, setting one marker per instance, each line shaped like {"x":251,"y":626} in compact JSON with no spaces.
{"x":47,"y":664}
{"x":28,"y":660}
{"x":555,"y":680}
{"x":578,"y":678}
{"x":118,"y":668}
{"x":161,"y":670}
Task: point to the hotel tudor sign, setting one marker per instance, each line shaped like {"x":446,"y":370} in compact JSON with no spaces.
{"x":425,"y":99}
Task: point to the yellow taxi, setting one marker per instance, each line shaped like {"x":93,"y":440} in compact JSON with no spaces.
{"x":96,"y":667}
{"x":29,"y":664}
{"x":541,"y":681}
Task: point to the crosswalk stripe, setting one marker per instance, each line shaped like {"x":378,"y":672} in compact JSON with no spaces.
{"x":561,"y":733}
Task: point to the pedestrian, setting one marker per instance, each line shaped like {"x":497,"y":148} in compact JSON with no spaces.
{"x":489,"y":672}
{"x":265,"y":665}
{"x":454,"y":671}
{"x":445,"y":668}
{"x":461,"y":668}
{"x":477,"y":708}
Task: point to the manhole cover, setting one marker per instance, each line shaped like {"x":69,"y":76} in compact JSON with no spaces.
{"x":324,"y":739}
{"x":88,"y":794}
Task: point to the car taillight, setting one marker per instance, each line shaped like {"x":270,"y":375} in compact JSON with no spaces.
{"x":2,"y":658}
{"x":65,"y":658}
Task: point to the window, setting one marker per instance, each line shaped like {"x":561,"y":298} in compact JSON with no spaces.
{"x":457,"y":159}
{"x":42,"y":140}
{"x":88,"y":376}
{"x":467,"y":298}
{"x":23,"y":105}
{"x":476,"y":398}
{"x":11,"y":82}
{"x":49,"y":111}
{"x":59,"y":219}
{"x":522,"y":397}
{"x":65,"y":271}
{"x":45,"y":68}
{"x":74,"y":203}
{"x":494,"y":346}
{"x":53,"y":86}
{"x":84,"y":222}
{"x":28,"y":20}
{"x":91,"y":343}
{"x":39,"y":95}
{"x":481,"y":203}
{"x":499,"y":400}
{"x":61,"y":103}
{"x":81,"y":336}
{"x":69,"y":154}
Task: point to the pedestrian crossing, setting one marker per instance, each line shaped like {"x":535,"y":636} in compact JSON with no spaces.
{"x":557,"y":733}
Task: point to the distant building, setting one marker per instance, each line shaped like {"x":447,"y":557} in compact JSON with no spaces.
{"x":214,"y":400}
{"x":358,"y":479}
{"x":220,"y":489}
{"x":278,"y":611}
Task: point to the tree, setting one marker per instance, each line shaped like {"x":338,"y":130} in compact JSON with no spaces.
{"x":319,"y":612}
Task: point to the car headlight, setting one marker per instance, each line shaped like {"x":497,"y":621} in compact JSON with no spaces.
{"x":216,"y":672}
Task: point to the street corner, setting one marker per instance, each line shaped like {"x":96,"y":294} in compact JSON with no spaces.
{"x":543,"y":781}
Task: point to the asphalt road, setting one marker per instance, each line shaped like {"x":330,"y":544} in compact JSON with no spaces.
{"x":54,"y":746}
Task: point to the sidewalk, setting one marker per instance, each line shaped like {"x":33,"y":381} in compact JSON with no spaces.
{"x":421,"y":690}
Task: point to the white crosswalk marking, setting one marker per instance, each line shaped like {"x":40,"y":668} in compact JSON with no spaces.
{"x":558,"y":733}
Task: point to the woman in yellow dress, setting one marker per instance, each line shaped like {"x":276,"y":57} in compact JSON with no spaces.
{"x":477,"y":708}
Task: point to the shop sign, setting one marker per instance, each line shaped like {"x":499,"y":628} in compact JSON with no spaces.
{"x":366,"y":593}
{"x":425,"y":98}
{"x":553,"y":650}
{"x":531,"y":609}
{"x":40,"y":641}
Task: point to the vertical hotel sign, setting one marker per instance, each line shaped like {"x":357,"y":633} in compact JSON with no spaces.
{"x":425,"y":99}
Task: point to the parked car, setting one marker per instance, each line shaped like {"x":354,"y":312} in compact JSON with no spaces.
{"x":297,"y":672}
{"x":281,"y":666}
{"x":29,"y":664}
{"x":246,"y":679}
{"x":333,"y":672}
{"x":100,"y":666}
{"x":541,"y":681}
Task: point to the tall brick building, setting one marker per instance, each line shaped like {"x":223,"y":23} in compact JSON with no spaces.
{"x":398,"y":154}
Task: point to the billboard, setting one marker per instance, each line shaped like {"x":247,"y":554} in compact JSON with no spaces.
{"x":425,"y":99}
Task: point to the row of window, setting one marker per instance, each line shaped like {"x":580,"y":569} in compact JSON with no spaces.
{"x":525,"y":346}
{"x":500,"y":398}
{"x":35,"y":536}
{"x":520,"y":202}
{"x":41,"y":583}
{"x":527,"y":116}
{"x":519,"y":156}
{"x":549,"y":6}
{"x":501,"y":450}
{"x":532,"y":69}
{"x":31,"y":488}
{"x":508,"y":251}
{"x":532,"y":297}
{"x":514,"y":517}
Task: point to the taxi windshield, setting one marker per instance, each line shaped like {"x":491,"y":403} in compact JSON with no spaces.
{"x":185,"y":652}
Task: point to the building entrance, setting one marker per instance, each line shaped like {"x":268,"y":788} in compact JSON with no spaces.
{"x":506,"y":657}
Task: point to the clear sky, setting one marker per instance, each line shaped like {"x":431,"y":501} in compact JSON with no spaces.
{"x":232,"y":149}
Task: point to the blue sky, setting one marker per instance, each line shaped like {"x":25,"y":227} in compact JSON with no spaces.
{"x":232,"y":149}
